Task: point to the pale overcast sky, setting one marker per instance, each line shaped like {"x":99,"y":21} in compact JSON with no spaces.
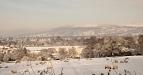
{"x":39,"y":14}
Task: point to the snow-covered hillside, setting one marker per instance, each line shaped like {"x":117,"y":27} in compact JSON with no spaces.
{"x":98,"y":30}
{"x":74,"y":67}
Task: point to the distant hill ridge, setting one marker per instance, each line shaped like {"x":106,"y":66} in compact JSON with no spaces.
{"x":97,"y":30}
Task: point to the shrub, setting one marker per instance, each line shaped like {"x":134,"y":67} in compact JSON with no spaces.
{"x":18,"y":54}
{"x":63,"y":53}
{"x":7,"y":57}
{"x":72,"y":53}
{"x":1,"y":56}
{"x":15,"y":55}
{"x":47,"y":53}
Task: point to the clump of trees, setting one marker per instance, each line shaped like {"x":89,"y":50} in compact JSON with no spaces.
{"x":63,"y":53}
{"x":44,"y":55}
{"x":47,"y":53}
{"x":89,"y":51}
{"x":1,"y":56}
{"x":72,"y":53}
{"x":113,"y":46}
{"x":140,"y":42}
{"x":14,"y":55}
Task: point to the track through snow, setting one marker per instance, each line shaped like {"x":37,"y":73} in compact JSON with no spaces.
{"x":74,"y":66}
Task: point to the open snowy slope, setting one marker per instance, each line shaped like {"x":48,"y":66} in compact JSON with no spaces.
{"x":74,"y":66}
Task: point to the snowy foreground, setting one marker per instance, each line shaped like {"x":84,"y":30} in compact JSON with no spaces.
{"x":73,"y":67}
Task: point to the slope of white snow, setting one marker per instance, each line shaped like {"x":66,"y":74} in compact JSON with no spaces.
{"x":75,"y":66}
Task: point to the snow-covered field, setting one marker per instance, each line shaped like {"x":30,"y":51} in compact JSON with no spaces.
{"x":73,"y":67}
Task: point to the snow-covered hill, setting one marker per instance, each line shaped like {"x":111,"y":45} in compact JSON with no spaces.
{"x":97,"y":30}
{"x":94,"y":31}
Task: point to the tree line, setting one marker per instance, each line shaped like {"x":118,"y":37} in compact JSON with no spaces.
{"x":113,"y":46}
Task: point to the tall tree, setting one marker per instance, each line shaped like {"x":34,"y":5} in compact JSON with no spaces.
{"x":88,"y":52}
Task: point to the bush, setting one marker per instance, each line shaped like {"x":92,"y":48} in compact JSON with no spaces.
{"x":15,"y":55}
{"x":18,"y":54}
{"x":63,"y":53}
{"x":72,"y":53}
{"x":47,"y":53}
{"x":25,"y":58}
{"x":7,"y":57}
{"x":1,"y":56}
{"x":87,"y":53}
{"x":32,"y":57}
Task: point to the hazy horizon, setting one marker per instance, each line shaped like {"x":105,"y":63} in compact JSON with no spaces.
{"x":47,"y":14}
